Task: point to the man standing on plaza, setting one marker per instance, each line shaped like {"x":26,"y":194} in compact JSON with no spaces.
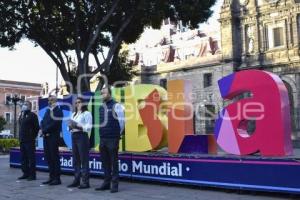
{"x":111,"y":128}
{"x":51,"y":125}
{"x":29,"y":128}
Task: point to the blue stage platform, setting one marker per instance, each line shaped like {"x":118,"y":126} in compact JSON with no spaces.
{"x":244,"y":173}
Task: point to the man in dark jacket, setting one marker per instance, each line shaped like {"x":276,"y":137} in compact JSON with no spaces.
{"x":51,"y":125}
{"x":29,"y":128}
{"x":111,"y":127}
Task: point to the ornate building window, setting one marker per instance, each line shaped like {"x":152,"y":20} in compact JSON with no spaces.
{"x":7,"y":97}
{"x":207,"y":80}
{"x":23,"y":97}
{"x":278,"y":37}
{"x":209,"y":118}
{"x":8,"y":117}
{"x":163,"y":83}
{"x":34,"y":105}
{"x":275,"y":35}
{"x":298,"y":25}
{"x":250,"y":39}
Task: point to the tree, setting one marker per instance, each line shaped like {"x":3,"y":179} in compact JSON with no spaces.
{"x":83,"y":29}
{"x":2,"y":123}
{"x":121,"y":69}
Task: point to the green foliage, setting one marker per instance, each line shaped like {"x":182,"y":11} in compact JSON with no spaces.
{"x":121,"y":69}
{"x":86,"y":27}
{"x":6,"y":144}
{"x":2,"y":123}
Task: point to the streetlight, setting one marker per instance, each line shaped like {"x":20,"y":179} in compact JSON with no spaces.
{"x":14,"y":100}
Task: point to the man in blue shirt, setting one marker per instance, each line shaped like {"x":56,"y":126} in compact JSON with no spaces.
{"x":111,"y":128}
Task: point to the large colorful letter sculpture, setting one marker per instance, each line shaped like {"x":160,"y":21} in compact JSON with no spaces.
{"x":268,"y":106}
{"x":156,"y":118}
{"x":181,"y":136}
{"x":145,"y":125}
{"x":180,"y":114}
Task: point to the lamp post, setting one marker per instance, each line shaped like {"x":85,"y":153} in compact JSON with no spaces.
{"x":14,"y":100}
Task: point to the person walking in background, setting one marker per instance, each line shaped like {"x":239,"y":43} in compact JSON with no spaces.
{"x":29,"y":128}
{"x":111,"y":127}
{"x":80,"y":125}
{"x":51,"y":126}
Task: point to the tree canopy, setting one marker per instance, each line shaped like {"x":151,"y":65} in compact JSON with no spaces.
{"x":90,"y":29}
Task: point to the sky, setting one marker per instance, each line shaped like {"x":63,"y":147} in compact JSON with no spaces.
{"x":31,"y":64}
{"x":27,"y":63}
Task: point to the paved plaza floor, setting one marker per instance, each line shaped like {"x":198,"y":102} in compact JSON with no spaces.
{"x":11,"y":188}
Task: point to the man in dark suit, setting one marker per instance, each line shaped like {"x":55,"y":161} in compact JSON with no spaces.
{"x":51,"y":125}
{"x":29,"y":128}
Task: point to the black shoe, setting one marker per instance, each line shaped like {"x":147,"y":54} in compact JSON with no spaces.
{"x":84,"y":186}
{"x":23,"y":177}
{"x":114,"y":190}
{"x":103,"y":187}
{"x":55,"y":182}
{"x":31,"y":178}
{"x":74,"y":184}
{"x":47,"y":182}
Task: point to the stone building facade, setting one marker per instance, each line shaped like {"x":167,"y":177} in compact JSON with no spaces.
{"x":264,"y":34}
{"x":23,"y":90}
{"x":180,"y":53}
{"x":254,"y":34}
{"x":203,"y":74}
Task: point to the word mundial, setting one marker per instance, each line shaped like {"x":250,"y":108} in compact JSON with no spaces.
{"x":164,"y":169}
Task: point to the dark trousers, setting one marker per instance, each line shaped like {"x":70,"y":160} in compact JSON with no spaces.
{"x":28,"y":158}
{"x":80,"y":149}
{"x":51,"y":144}
{"x":109,"y":148}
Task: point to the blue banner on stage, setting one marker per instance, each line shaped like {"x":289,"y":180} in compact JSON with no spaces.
{"x":280,"y":175}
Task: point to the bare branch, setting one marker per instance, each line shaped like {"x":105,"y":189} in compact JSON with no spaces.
{"x":97,"y":59}
{"x":95,"y":19}
{"x":102,"y":53}
{"x":52,"y":56}
{"x":116,"y":43}
{"x":77,"y":34}
{"x":58,"y":60}
{"x":61,"y":66}
{"x":68,"y":61}
{"x":99,"y":27}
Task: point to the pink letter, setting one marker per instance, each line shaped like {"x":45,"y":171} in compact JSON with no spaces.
{"x":268,"y":107}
